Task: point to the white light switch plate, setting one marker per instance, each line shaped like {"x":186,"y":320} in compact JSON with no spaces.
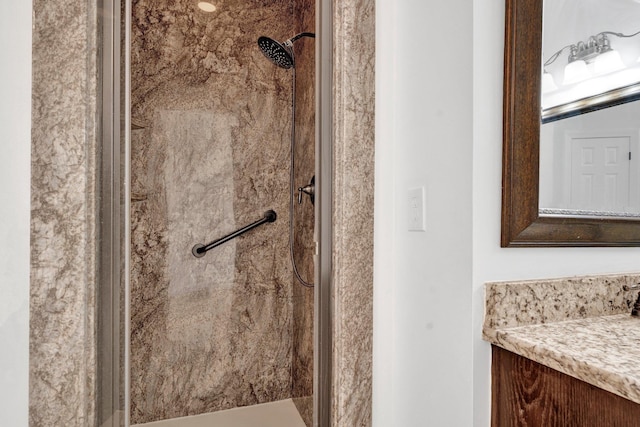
{"x":416,"y":209}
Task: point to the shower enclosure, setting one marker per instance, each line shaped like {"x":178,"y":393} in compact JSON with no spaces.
{"x":203,"y":148}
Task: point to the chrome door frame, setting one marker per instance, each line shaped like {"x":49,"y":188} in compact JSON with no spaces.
{"x":114,"y":208}
{"x":112,"y":347}
{"x":323,"y":312}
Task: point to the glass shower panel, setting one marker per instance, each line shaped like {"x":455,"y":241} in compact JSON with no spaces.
{"x":210,"y":154}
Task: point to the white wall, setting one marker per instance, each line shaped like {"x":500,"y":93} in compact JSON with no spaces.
{"x":15,"y":143}
{"x":422,"y":286}
{"x":439,"y":124}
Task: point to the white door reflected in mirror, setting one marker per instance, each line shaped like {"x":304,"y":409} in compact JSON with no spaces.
{"x":589,"y":164}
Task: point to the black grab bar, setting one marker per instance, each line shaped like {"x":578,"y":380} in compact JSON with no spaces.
{"x":199,"y":250}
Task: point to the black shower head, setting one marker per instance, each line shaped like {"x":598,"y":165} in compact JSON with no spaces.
{"x":280,"y":54}
{"x":276,"y":52}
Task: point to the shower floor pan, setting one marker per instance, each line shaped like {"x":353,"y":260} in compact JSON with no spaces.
{"x":274,"y":414}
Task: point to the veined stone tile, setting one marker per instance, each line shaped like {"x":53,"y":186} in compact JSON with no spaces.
{"x":227,"y":329}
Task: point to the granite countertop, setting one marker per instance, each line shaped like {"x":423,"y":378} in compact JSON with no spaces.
{"x":579,"y":326}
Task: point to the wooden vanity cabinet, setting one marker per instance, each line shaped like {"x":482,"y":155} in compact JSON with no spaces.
{"x":526,"y":393}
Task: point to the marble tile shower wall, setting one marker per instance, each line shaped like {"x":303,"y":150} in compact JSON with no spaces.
{"x":212,"y":155}
{"x":62,"y":357}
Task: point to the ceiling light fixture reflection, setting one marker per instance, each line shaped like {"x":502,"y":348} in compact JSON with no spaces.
{"x":595,"y":52}
{"x":207,"y":6}
{"x":592,"y":69}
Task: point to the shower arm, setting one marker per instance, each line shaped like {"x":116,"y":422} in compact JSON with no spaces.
{"x":290,"y":42}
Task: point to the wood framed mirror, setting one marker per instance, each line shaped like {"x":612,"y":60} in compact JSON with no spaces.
{"x":522,"y":224}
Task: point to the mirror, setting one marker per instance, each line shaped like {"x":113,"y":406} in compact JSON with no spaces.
{"x":522,"y":222}
{"x":589,"y":154}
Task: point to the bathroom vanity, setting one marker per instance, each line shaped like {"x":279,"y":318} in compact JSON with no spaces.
{"x":565,"y":352}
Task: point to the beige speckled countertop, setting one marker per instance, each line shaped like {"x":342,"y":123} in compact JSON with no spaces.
{"x":580,"y":326}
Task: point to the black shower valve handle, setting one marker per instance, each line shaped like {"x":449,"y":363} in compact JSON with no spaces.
{"x":309,"y":189}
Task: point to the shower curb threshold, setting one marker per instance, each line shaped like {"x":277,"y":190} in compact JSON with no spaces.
{"x":282,"y":413}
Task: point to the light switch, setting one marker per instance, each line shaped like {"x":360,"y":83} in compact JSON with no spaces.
{"x":416,"y":209}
